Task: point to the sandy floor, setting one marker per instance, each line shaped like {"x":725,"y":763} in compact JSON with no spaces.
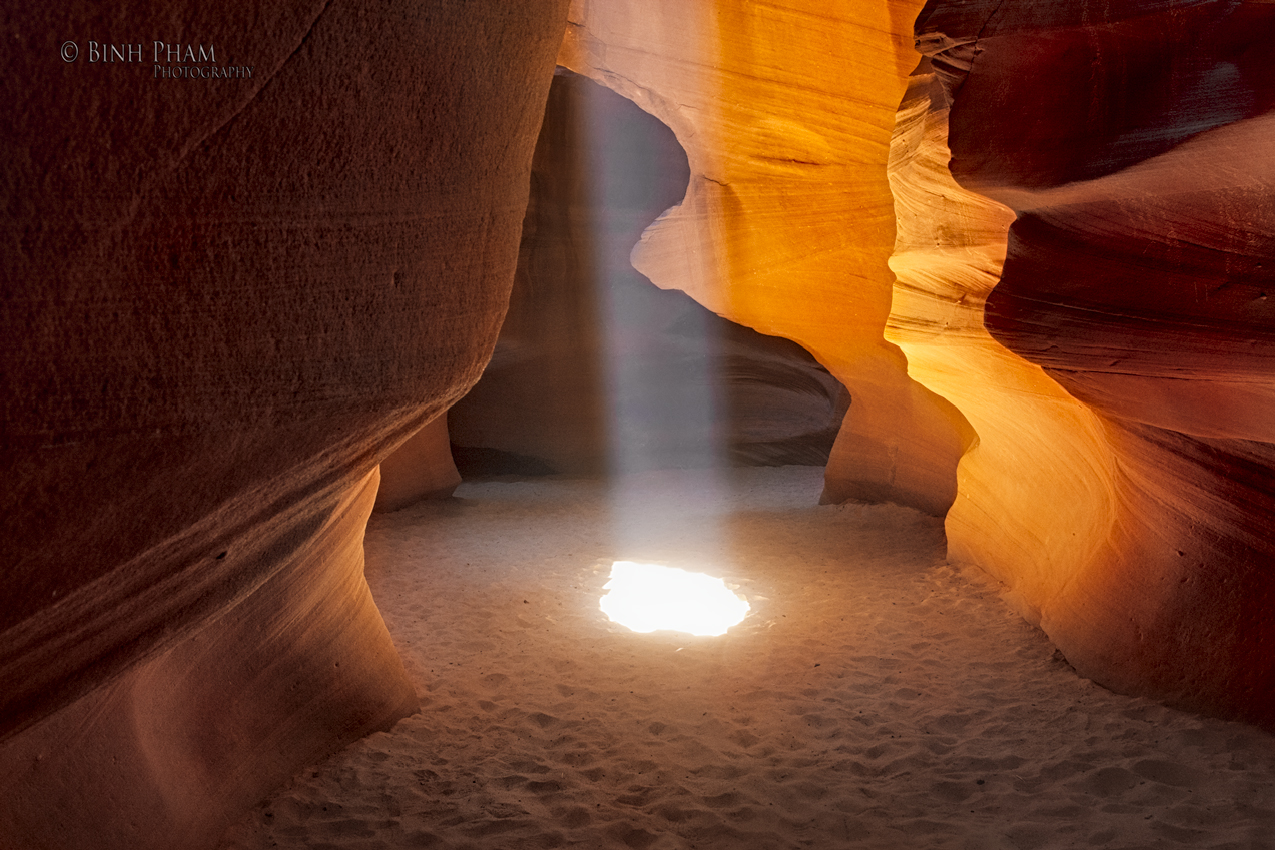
{"x":875,"y":696}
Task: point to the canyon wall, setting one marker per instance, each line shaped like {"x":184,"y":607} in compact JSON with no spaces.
{"x":1119,"y":159}
{"x":785,"y":111}
{"x":227,"y":294}
{"x":1084,"y":204}
{"x":226,"y":298}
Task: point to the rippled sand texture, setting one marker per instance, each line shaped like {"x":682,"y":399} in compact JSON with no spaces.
{"x":875,"y":697}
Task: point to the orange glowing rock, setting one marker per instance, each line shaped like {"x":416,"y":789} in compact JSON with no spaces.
{"x":1112,"y":376}
{"x":785,"y":111}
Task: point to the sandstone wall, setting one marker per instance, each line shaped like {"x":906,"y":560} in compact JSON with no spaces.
{"x":1087,"y":282}
{"x":225,"y":300}
{"x":1117,"y":369}
{"x":785,"y":111}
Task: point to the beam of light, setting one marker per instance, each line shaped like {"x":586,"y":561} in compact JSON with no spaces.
{"x":648,"y":598}
{"x":661,"y":353}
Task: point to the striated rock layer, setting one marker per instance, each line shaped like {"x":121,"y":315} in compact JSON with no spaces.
{"x":224,"y":300}
{"x":1118,"y":369}
{"x":171,"y":750}
{"x":785,"y":111}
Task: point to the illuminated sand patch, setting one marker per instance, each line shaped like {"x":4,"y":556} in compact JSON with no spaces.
{"x":649,"y":598}
{"x":765,"y":737}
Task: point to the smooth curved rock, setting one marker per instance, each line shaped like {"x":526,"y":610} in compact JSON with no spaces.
{"x":224,"y":302}
{"x":785,"y":111}
{"x":172,"y":750}
{"x":1123,"y":396}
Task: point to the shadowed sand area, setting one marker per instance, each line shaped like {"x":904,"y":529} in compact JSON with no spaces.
{"x":874,"y":697}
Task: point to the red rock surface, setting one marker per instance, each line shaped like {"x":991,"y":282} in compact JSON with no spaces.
{"x":224,"y":302}
{"x":1141,"y":168}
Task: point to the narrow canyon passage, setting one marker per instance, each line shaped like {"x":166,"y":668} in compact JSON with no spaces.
{"x":1008,"y":264}
{"x":874,"y":697}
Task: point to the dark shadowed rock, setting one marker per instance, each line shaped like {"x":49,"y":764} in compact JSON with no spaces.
{"x":225,"y":300}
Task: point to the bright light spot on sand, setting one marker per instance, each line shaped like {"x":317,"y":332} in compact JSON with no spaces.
{"x":648,"y":598}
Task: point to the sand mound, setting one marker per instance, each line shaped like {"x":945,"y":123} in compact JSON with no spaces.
{"x":874,"y":697}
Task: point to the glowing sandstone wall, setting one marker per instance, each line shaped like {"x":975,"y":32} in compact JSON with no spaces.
{"x":1118,"y":370}
{"x":1114,"y":367}
{"x":223,"y":302}
{"x":785,"y":111}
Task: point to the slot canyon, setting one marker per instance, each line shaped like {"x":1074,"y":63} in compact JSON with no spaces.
{"x":347,"y":344}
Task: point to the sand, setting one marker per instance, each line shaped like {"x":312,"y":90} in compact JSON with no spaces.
{"x":875,"y":696}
